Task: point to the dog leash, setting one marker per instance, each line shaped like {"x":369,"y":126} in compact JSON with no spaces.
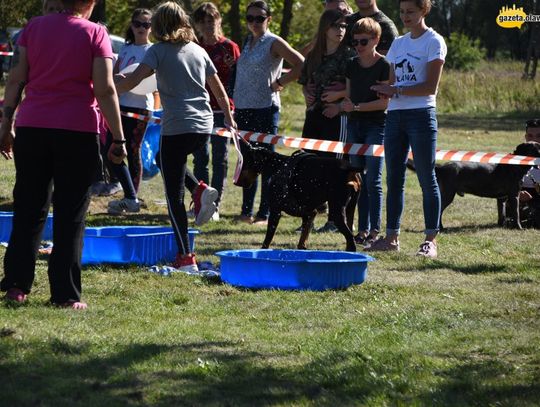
{"x":240,"y":160}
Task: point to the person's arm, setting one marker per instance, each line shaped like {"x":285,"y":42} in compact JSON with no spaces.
{"x":346,"y":104}
{"x":309,"y":94}
{"x":157,"y":100}
{"x":127,"y":82}
{"x":281,"y":48}
{"x":18,"y":75}
{"x":116,"y":68}
{"x":426,"y":88}
{"x":217,"y":89}
{"x":374,"y":105}
{"x":105,"y":93}
{"x":334,"y":92}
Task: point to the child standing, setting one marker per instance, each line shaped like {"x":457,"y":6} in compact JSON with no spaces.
{"x":183,"y":69}
{"x":367,"y":114}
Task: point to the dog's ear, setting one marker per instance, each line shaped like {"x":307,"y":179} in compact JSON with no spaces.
{"x":529,"y":149}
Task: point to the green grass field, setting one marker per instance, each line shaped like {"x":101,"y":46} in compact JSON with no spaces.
{"x":460,"y":330}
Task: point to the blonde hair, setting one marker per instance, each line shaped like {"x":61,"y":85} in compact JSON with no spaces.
{"x":367,"y":25}
{"x":170,"y":23}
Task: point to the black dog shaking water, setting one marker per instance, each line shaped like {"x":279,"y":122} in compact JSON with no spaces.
{"x":299,"y":185}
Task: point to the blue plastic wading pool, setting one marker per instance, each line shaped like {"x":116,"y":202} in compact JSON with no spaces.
{"x":147,"y":245}
{"x":6,"y":224}
{"x":293,"y":269}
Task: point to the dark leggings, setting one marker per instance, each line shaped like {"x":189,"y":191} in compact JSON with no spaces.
{"x":69,"y":159}
{"x":130,"y":176}
{"x":172,"y":158}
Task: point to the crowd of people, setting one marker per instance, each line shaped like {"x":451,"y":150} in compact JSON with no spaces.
{"x":362,"y":83}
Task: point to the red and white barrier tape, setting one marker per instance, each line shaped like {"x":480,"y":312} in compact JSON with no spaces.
{"x":7,"y":54}
{"x":374,"y":150}
{"x":377,"y":150}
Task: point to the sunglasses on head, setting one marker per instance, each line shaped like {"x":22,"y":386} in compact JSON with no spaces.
{"x":342,"y":26}
{"x":256,"y":19}
{"x":139,"y":24}
{"x":363,"y":42}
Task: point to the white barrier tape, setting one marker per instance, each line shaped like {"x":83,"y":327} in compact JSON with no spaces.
{"x":374,"y":150}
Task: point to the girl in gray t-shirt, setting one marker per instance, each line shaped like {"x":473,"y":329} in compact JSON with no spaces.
{"x":182,"y":69}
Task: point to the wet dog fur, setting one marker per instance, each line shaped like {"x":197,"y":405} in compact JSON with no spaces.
{"x":299,"y":185}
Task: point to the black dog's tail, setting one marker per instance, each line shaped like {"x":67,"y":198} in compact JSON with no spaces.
{"x":410,"y":165}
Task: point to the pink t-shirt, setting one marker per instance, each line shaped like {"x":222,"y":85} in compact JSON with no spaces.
{"x":59,"y":94}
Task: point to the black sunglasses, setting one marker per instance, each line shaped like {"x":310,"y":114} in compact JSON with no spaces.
{"x":363,"y":42}
{"x":343,"y":26}
{"x":139,"y":24}
{"x":256,"y":19}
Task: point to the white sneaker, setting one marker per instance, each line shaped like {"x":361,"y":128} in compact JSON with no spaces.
{"x":204,"y":203}
{"x":124,"y":205}
{"x":215,"y":216}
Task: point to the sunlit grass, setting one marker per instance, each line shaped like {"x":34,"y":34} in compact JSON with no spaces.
{"x":459,"y":330}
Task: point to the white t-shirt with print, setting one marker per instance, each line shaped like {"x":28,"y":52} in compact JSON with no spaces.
{"x":133,"y":54}
{"x":409,"y":58}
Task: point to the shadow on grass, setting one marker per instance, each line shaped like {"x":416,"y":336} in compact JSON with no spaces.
{"x":222,"y":373}
{"x":471,"y":227}
{"x":6,"y":204}
{"x":104,"y":219}
{"x":505,"y":122}
{"x":482,"y":382}
{"x":478,"y":268}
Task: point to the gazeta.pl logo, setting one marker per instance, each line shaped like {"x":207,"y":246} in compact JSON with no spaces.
{"x":515,"y":17}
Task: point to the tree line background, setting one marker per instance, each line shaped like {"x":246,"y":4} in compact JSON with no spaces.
{"x":296,"y":20}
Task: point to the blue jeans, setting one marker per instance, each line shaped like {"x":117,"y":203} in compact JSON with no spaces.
{"x":370,"y":200}
{"x":220,"y":159}
{"x":416,"y":128}
{"x":264,"y":121}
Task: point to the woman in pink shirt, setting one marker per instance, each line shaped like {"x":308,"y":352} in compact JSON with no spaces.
{"x":63,"y":62}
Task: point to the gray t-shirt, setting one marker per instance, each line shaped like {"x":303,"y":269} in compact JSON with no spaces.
{"x":181,"y":72}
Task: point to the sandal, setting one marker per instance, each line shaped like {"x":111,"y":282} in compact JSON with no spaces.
{"x":15,"y":294}
{"x":383,"y":245}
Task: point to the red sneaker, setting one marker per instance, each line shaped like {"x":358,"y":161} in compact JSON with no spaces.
{"x":15,"y":294}
{"x":204,"y":203}
{"x":185,"y":263}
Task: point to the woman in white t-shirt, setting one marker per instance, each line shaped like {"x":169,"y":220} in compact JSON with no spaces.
{"x":137,"y":42}
{"x":417,"y":60}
